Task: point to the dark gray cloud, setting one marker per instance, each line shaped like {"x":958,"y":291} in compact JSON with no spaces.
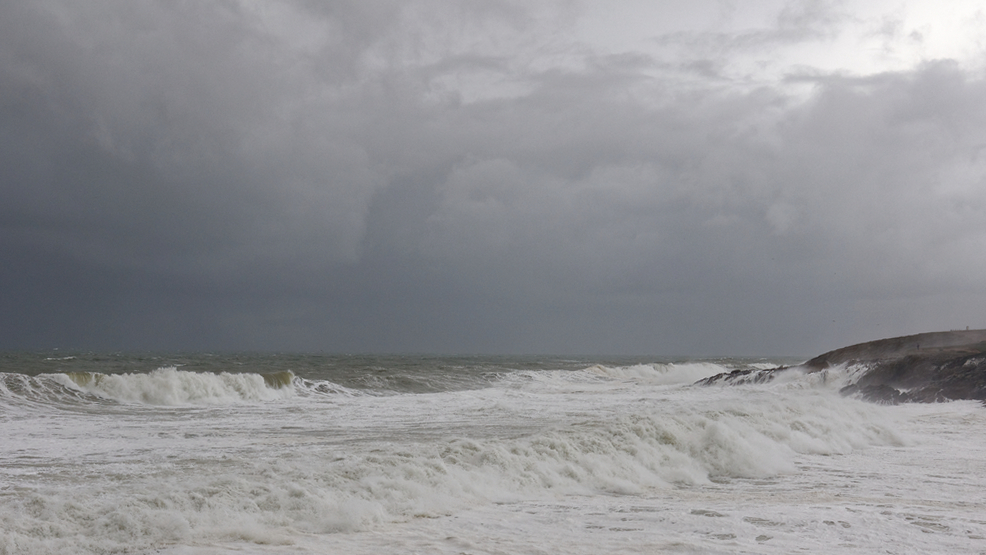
{"x":471,"y":177}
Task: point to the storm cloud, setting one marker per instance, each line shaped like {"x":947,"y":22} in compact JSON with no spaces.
{"x":485,"y":177}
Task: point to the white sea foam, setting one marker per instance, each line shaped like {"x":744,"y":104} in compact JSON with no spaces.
{"x":315,"y":489}
{"x":604,"y":459}
{"x":832,"y":379}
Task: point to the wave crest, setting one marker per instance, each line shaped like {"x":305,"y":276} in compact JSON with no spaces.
{"x":170,"y":386}
{"x":660,"y":374}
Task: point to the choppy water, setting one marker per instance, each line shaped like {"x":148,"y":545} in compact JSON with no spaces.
{"x":322,"y":454}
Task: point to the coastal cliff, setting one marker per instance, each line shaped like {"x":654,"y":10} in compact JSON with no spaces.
{"x":927,"y":367}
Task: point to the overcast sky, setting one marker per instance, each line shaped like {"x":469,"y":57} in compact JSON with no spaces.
{"x":685,"y":177}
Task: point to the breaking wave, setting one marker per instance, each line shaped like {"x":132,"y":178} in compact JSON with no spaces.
{"x":660,"y":374}
{"x":164,"y":387}
{"x":171,"y":386}
{"x":267,"y":500}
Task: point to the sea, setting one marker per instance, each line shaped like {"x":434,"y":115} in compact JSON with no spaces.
{"x":296,"y":454}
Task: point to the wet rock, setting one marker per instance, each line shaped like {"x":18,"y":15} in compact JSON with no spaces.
{"x":744,"y":376}
{"x":882,"y":394}
{"x":927,"y":368}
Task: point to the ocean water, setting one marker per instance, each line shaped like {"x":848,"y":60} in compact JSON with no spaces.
{"x":261,"y":454}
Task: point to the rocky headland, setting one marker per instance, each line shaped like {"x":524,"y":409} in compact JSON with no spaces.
{"x":927,"y":367}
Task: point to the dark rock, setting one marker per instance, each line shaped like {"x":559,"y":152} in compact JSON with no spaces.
{"x":883,"y":394}
{"x":745,"y":376}
{"x":942,"y":344}
{"x":927,"y":368}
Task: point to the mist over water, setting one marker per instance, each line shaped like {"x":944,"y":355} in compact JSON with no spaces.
{"x":312,"y":454}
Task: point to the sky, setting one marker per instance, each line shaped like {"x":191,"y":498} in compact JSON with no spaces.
{"x":700,"y":177}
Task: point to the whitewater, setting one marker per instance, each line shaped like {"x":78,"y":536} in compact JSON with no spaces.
{"x":261,"y":454}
